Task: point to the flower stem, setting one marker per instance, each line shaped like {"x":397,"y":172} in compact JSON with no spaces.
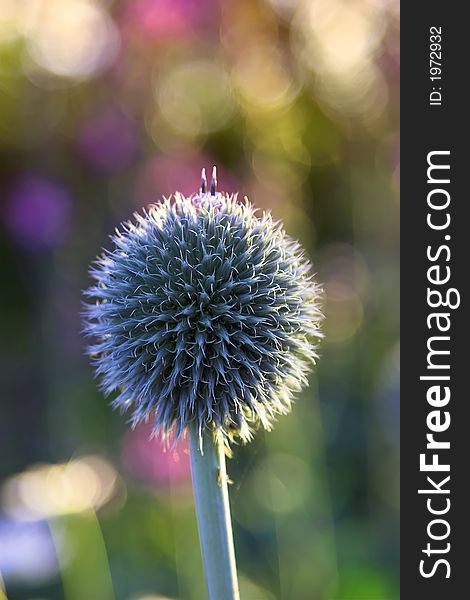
{"x":213,"y":515}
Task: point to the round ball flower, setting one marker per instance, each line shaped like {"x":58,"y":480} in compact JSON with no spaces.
{"x":205,"y":312}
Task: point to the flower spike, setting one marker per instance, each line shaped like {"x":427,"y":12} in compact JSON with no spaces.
{"x":214,"y":181}
{"x":203,"y":181}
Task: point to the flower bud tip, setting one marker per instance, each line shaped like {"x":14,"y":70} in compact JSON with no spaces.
{"x":214,"y":181}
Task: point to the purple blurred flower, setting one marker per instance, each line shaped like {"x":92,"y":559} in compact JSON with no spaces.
{"x":147,"y":459}
{"x":27,"y":551}
{"x":37,"y":213}
{"x":108,"y":142}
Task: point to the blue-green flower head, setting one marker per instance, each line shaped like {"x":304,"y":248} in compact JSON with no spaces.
{"x":204,"y":312}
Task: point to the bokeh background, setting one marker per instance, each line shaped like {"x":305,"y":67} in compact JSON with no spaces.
{"x":106,"y":106}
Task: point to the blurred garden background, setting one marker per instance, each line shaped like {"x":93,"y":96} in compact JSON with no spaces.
{"x":106,"y":106}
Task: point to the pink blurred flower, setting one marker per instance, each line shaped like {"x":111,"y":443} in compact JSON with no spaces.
{"x":108,"y":142}
{"x":148,"y":460}
{"x":166,"y":18}
{"x":37,"y":213}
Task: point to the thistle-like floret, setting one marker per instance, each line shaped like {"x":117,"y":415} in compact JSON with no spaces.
{"x":204,"y":312}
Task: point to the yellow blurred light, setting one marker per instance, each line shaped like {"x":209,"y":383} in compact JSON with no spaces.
{"x":277,"y":173}
{"x":361,"y":93}
{"x":337,"y":41}
{"x":337,"y":34}
{"x":343,"y":263}
{"x":8,"y":28}
{"x":45,"y":491}
{"x":15,"y":18}
{"x":343,"y":311}
{"x":283,"y":8}
{"x":345,"y":33}
{"x":282,"y":483}
{"x":168,"y":140}
{"x":296,"y":150}
{"x":195,"y":98}
{"x":71,"y":38}
{"x":27,"y":13}
{"x":262,"y":78}
{"x":245,"y":23}
{"x":286,"y":205}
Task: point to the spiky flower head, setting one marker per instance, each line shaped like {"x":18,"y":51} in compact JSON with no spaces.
{"x":204,"y":312}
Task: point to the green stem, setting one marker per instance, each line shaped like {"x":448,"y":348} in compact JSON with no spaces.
{"x":213,"y":515}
